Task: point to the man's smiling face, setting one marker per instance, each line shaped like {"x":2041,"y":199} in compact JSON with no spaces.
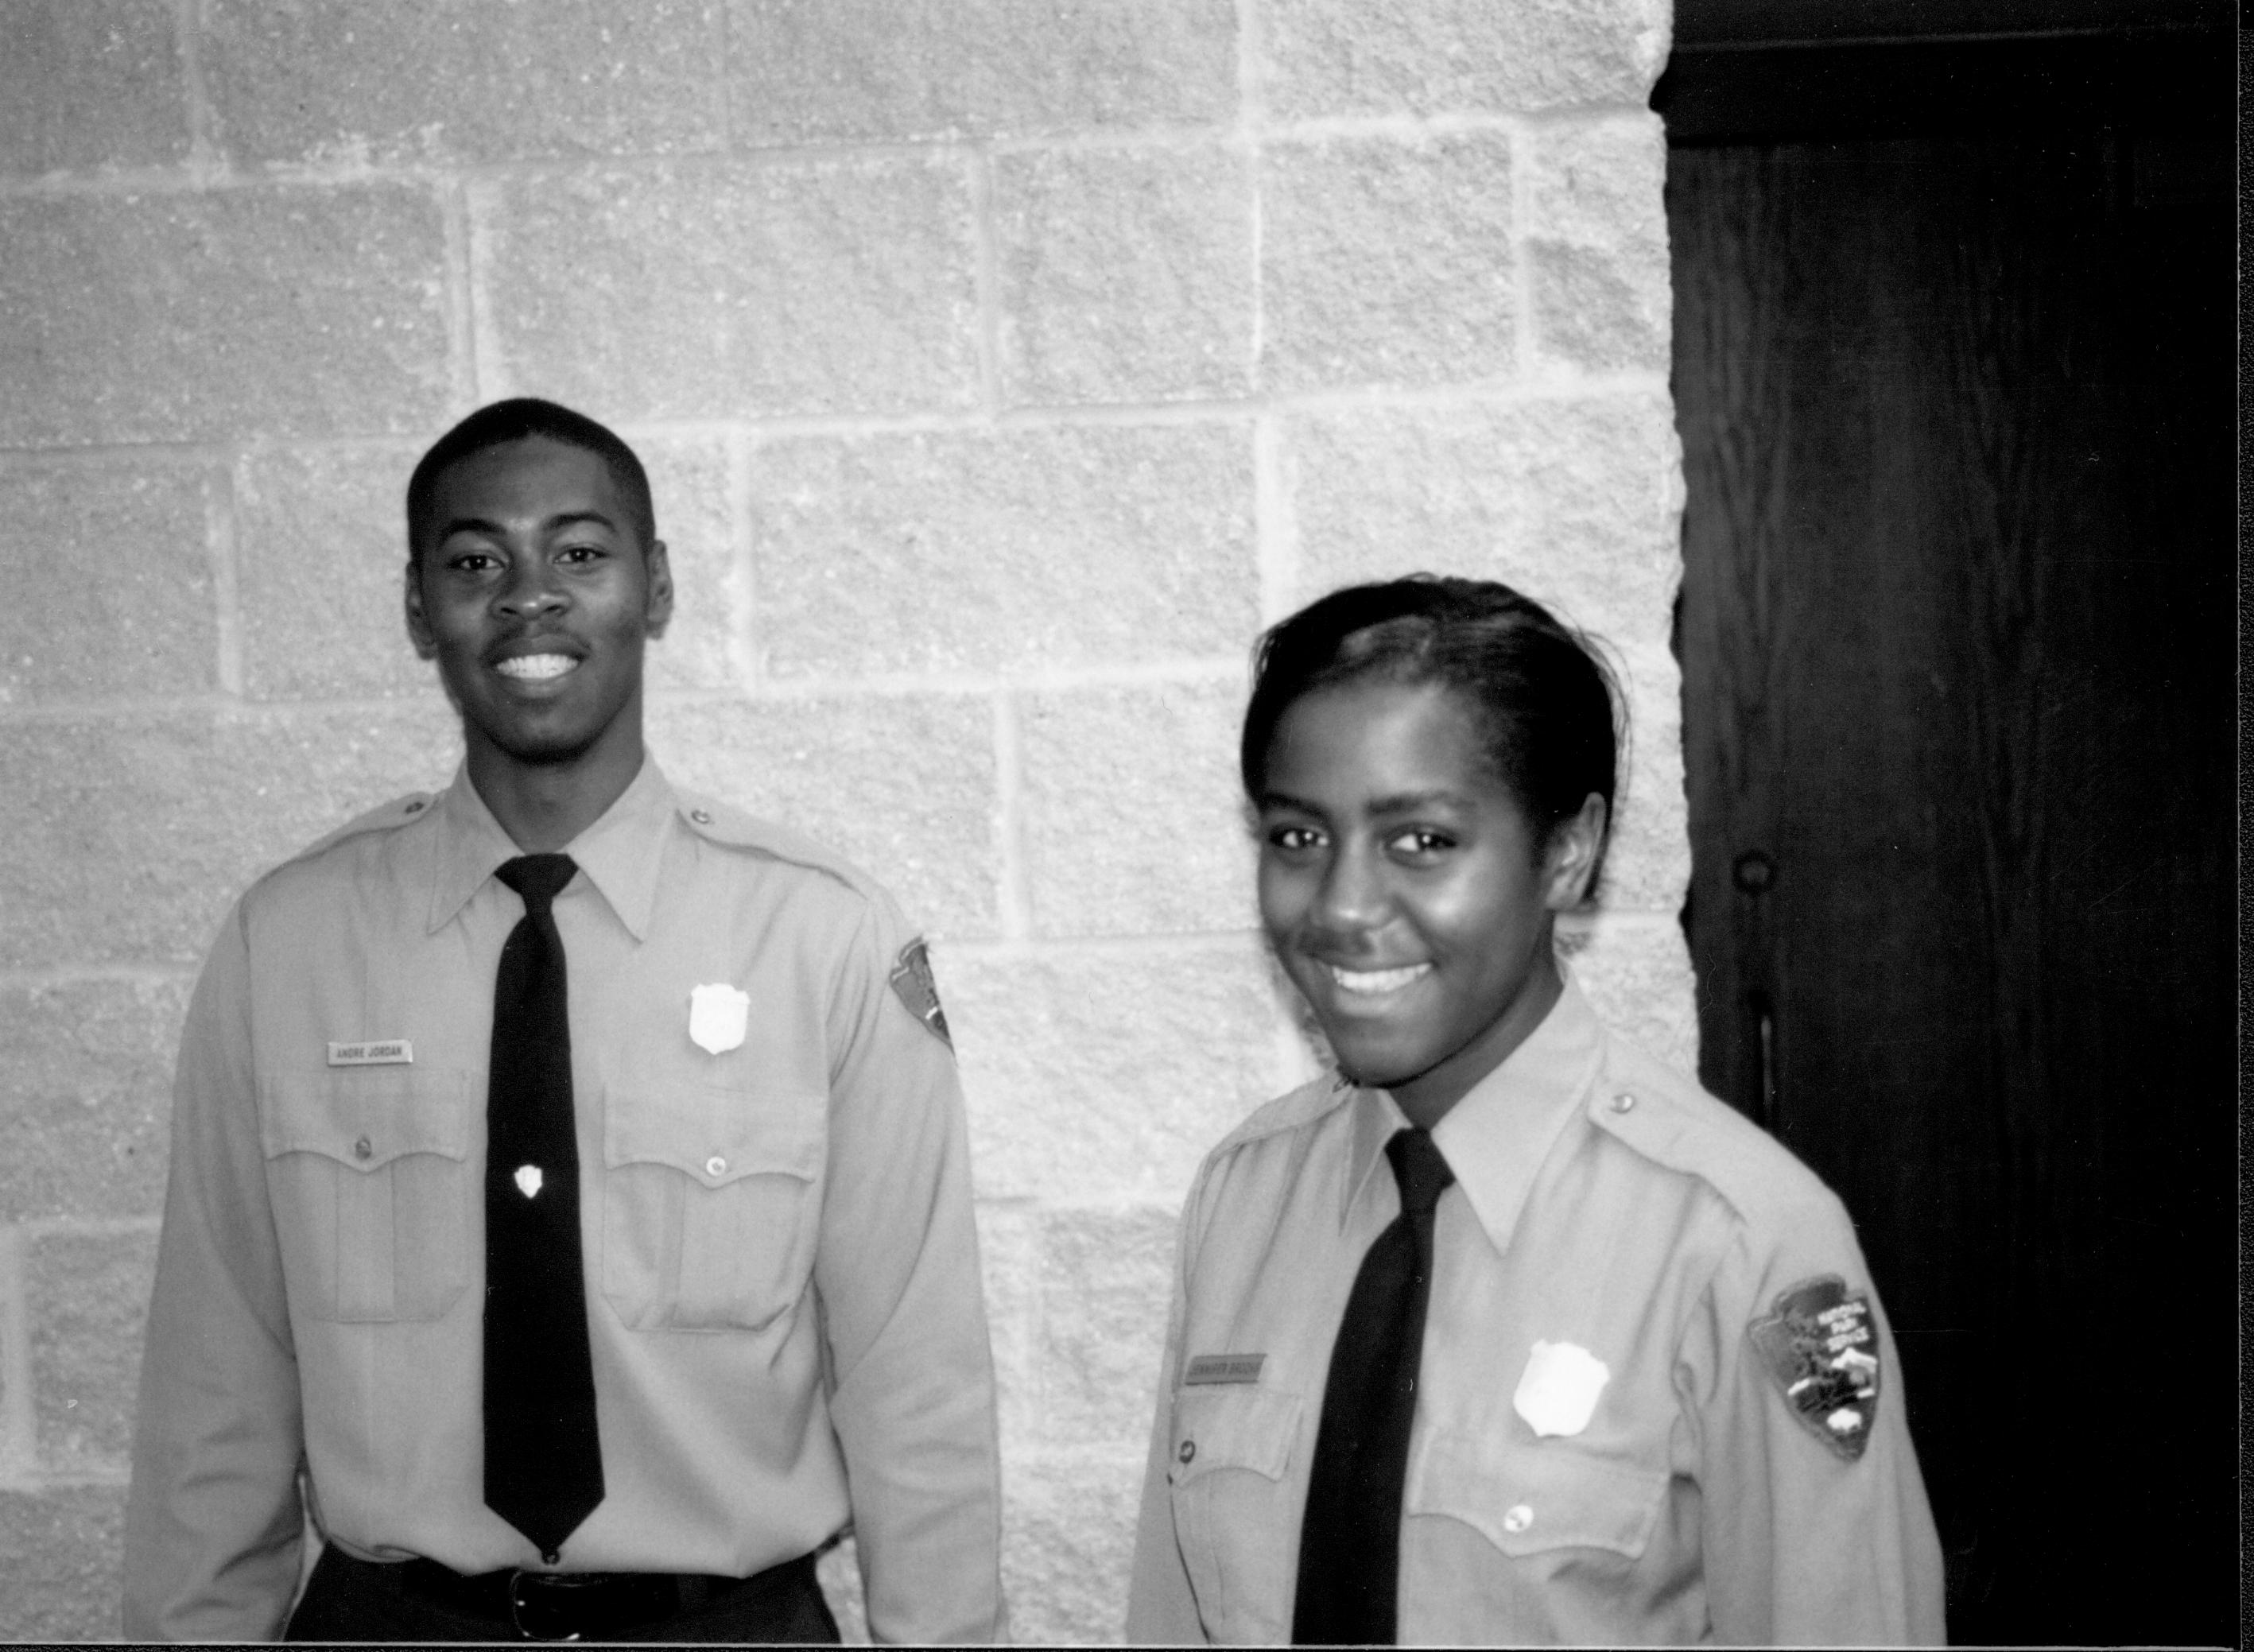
{"x":531,"y":588}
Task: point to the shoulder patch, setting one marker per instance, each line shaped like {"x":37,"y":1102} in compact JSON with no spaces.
{"x":912,"y":979}
{"x":1818,"y":1344}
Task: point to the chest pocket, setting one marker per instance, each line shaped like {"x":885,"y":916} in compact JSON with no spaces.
{"x":1530,"y":1499}
{"x":1227,"y":1468}
{"x":709,"y":1212}
{"x":370,"y":1190}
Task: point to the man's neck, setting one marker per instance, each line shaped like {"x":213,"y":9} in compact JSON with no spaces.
{"x":544,"y":806}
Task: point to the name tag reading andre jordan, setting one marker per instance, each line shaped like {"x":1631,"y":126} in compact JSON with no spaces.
{"x":381,"y":1053}
{"x":1222,"y":1368}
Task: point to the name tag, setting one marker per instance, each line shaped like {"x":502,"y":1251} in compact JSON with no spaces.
{"x":382,"y":1052}
{"x":1223,"y":1367}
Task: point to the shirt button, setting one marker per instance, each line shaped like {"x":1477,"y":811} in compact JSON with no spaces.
{"x":701,"y":817}
{"x":1622,"y":1101}
{"x":1188,"y":1450}
{"x":715,"y":1166}
{"x":1517,"y":1517}
{"x":415,"y":808}
{"x":363,"y":1148}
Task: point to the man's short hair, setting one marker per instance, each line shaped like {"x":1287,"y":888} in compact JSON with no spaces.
{"x":500,"y":423}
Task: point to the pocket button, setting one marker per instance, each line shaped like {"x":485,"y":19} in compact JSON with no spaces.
{"x":363,"y":1148}
{"x":1188,"y":1451}
{"x":1517,"y":1518}
{"x":715,"y":1166}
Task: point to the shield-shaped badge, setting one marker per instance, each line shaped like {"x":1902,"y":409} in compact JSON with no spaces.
{"x":911,"y":980}
{"x":718,"y":1016}
{"x":1819,"y":1345}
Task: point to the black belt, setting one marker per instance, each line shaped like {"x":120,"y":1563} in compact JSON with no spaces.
{"x":585,"y":1606}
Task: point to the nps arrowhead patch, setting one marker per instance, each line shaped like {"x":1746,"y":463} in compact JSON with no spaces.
{"x":911,"y":980}
{"x":1819,"y":1343}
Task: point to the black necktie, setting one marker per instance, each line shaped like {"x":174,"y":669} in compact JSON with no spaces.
{"x":543,"y":1462}
{"x":1350,"y":1539}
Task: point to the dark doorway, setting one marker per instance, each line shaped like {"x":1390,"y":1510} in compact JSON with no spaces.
{"x":1954,"y":372}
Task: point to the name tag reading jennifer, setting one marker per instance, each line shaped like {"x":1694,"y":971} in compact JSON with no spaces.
{"x":1207,"y":1368}
{"x":381,"y":1053}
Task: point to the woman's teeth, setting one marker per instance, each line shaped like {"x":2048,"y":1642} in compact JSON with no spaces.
{"x":533,"y":667}
{"x":1374,"y":981}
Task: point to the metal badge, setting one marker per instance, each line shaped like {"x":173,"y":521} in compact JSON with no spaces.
{"x":1819,"y":1345}
{"x":1207,"y":1368}
{"x":911,"y":980}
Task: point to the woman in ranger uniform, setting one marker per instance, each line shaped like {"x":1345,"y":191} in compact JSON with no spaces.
{"x":1504,"y":1331}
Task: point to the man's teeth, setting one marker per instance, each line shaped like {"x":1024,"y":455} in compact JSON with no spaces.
{"x":534,"y":667}
{"x":1377,"y":980}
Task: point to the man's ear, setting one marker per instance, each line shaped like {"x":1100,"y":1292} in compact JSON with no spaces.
{"x":1577,"y":845}
{"x":658,"y":610}
{"x":418,"y":623}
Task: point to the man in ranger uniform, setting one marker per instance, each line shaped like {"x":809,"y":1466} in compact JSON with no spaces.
{"x":569,"y":1187}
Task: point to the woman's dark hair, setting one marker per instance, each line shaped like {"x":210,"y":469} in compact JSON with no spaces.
{"x":1549,"y":708}
{"x":500,"y":423}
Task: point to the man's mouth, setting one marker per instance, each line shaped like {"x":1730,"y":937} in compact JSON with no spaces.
{"x":536,"y":667}
{"x":1375,"y":982}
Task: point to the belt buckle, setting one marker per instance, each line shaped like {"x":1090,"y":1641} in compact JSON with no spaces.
{"x":549,"y":1581}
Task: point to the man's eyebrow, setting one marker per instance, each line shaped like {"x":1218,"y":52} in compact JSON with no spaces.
{"x":565,"y":519}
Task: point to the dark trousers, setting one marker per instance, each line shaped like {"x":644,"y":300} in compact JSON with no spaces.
{"x":352,"y":1600}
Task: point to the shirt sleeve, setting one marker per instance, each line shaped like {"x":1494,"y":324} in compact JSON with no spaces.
{"x":1161,"y":1610}
{"x":1803,"y":1543}
{"x":213,"y":1522}
{"x":897,"y":1270}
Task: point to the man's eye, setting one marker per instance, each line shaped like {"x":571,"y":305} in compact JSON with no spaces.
{"x":472,"y":561}
{"x":581,"y":554}
{"x":1420,"y":843}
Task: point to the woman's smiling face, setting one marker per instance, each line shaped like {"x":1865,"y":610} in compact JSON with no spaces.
{"x":1406,"y":893}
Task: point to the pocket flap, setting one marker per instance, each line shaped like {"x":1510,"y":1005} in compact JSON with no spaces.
{"x":1231,"y":1427}
{"x":718,"y":1137}
{"x":364,"y":1118}
{"x":1526,"y":1497}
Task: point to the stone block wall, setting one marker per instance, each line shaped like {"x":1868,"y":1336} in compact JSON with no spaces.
{"x":1002,"y":367}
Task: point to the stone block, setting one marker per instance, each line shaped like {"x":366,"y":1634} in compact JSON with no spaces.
{"x":1068,"y":1545}
{"x":902,"y":785}
{"x":1134,"y":818}
{"x":1126,"y":275}
{"x":689,"y":483}
{"x":1648,"y":866}
{"x":1436,"y":57}
{"x":61,"y":1550}
{"x":109,"y":572}
{"x":86,"y":1070}
{"x":321,"y":547}
{"x":1597,"y":244}
{"x":1107,"y":1279}
{"x":1636,"y":970}
{"x":1571,"y":499}
{"x":1110,"y":1073}
{"x":88,"y":1300}
{"x":821,"y":286}
{"x":90,"y":83}
{"x":1388,"y":263}
{"x":1003,"y":551}
{"x":222,"y":316}
{"x":426,"y":82}
{"x":132,"y":836}
{"x":823,"y":70}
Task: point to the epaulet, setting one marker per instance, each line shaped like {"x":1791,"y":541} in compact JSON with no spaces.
{"x":732,"y":828}
{"x":1287,"y":1112}
{"x":384,"y":818}
{"x":1644,"y":1103}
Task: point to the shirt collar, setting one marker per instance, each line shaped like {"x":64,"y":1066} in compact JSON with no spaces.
{"x":1497,"y":1136}
{"x":619,"y":854}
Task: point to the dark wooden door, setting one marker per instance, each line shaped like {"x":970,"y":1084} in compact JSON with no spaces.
{"x":1957,"y":635}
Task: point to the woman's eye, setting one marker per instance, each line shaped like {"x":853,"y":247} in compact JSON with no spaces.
{"x":1293,"y":839}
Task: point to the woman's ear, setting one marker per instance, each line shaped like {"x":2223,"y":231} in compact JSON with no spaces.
{"x":1576,"y":843}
